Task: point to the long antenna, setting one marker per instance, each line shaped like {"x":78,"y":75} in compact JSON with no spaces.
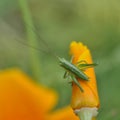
{"x":49,"y":49}
{"x":28,"y":45}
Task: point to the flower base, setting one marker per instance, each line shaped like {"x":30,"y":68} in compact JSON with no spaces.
{"x":86,"y":113}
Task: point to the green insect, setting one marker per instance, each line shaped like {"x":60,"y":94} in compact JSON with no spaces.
{"x":71,"y":71}
{"x":75,"y":71}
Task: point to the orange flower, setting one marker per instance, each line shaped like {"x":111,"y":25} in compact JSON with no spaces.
{"x":22,"y":99}
{"x":89,"y":98}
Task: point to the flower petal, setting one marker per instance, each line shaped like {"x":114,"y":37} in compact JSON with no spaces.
{"x":63,"y":114}
{"x":21,"y":99}
{"x":88,"y":98}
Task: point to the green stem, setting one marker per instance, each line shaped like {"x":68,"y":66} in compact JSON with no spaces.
{"x":87,"y":113}
{"x":31,"y":37}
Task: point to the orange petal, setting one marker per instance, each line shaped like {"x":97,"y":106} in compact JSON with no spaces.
{"x":88,"y":98}
{"x":63,"y":114}
{"x":21,"y":99}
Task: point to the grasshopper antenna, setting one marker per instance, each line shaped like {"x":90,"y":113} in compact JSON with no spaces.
{"x":49,"y":49}
{"x":28,"y":45}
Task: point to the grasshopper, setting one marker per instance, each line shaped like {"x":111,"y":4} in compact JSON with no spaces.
{"x":71,"y":71}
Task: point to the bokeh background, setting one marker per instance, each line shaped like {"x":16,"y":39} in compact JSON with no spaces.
{"x":58,"y":22}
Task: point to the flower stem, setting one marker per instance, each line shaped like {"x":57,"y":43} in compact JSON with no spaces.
{"x":31,"y":37}
{"x":86,"y":113}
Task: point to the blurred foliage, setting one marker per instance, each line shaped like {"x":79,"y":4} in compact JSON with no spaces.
{"x":95,"y":23}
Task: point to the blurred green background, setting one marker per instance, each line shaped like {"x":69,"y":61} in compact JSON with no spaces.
{"x":95,"y":23}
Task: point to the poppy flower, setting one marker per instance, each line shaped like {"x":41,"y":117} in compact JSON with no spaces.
{"x":88,"y":100}
{"x":22,"y":99}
